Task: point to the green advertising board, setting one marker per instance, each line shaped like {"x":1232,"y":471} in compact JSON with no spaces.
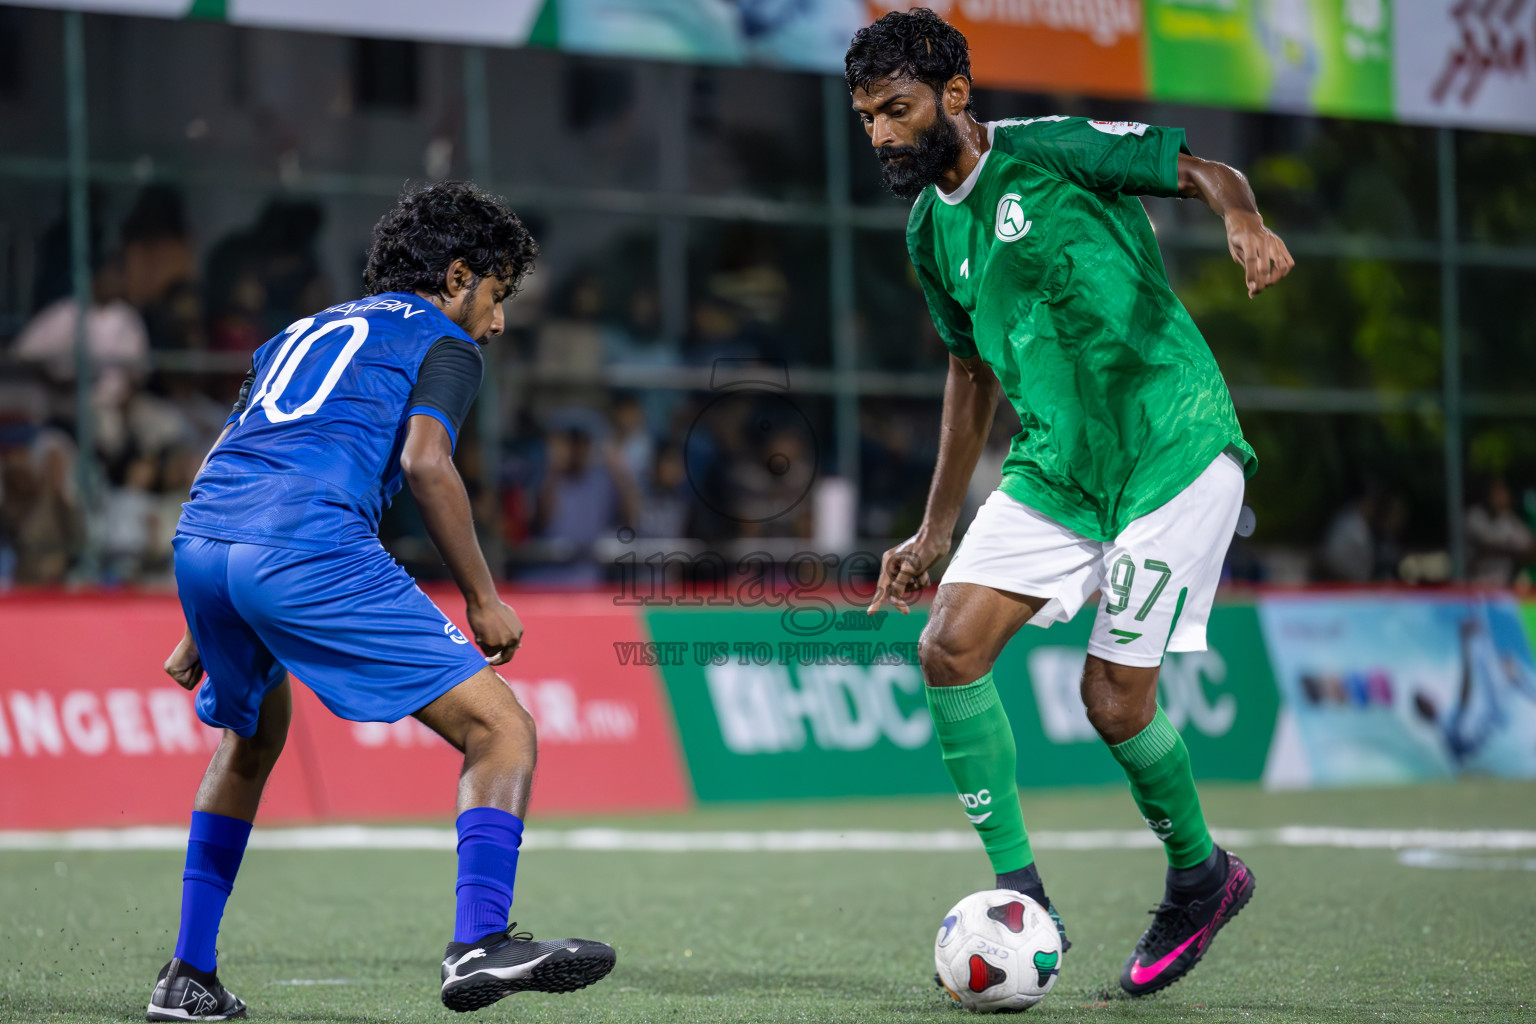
{"x":1326,"y":56}
{"x":765,"y":712}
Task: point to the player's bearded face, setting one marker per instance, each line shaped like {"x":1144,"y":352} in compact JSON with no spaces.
{"x":908,"y":170}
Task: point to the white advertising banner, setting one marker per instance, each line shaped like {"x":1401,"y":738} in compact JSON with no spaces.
{"x":144,"y":8}
{"x":484,"y":22}
{"x":1466,"y":64}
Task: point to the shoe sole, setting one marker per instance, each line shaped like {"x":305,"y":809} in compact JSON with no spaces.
{"x":566,"y":974}
{"x":161,"y":1014}
{"x":1237,"y":907}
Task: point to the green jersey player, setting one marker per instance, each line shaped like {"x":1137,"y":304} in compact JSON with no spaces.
{"x":1126,"y":480}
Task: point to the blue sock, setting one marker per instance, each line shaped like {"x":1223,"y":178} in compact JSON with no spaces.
{"x":488,"y":842}
{"x":214,"y":849}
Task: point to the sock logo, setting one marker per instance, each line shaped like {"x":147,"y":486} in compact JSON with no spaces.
{"x":1162,"y":829}
{"x":973,"y":801}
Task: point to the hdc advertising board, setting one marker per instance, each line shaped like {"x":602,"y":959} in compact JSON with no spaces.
{"x":767,"y":712}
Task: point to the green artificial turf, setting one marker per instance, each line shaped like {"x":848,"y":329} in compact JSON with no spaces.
{"x":1331,"y":935}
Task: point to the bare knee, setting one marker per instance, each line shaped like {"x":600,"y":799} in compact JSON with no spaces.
{"x":505,"y":727}
{"x":947,"y":660}
{"x":1120,"y":699}
{"x":253,"y":757}
{"x":483,"y":718}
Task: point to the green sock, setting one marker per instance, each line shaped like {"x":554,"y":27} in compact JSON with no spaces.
{"x":981,"y":757}
{"x":1157,"y":764}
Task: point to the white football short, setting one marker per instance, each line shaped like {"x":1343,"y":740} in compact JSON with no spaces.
{"x":1157,"y":579}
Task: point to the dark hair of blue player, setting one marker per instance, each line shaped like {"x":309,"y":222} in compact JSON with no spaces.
{"x":916,"y":43}
{"x":415,"y":243}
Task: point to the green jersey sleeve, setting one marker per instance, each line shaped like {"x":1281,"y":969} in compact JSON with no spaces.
{"x":949,"y":317}
{"x":1125,"y":157}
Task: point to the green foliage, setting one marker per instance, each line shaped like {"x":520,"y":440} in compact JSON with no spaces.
{"x":1496,"y":187}
{"x":1353,"y":177}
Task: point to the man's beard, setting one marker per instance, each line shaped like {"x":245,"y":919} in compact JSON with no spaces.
{"x":921,"y":164}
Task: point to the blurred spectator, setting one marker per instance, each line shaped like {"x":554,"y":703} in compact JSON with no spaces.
{"x":124,"y":523}
{"x":1391,"y":529}
{"x":883,"y":469}
{"x":159,"y":270}
{"x":666,"y":500}
{"x":118,"y":346}
{"x":264,"y":278}
{"x":636,"y":446}
{"x":570,"y":344}
{"x":757,"y":295}
{"x":55,"y":278}
{"x":1499,"y":544}
{"x":769,"y":483}
{"x":178,"y":468}
{"x":717,"y":333}
{"x":40,"y":519}
{"x":181,"y":416}
{"x":587,"y":494}
{"x":1348,"y":553}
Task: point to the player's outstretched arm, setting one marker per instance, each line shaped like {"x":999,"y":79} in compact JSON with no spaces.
{"x":427,"y":462}
{"x":970,"y":401}
{"x":185,"y":665}
{"x":1262,"y":255}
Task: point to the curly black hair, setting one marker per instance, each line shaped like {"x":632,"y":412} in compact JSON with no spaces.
{"x":429,"y":228}
{"x":917,"y":43}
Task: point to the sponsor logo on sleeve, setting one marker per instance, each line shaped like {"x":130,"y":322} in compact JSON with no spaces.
{"x":1120,"y":127}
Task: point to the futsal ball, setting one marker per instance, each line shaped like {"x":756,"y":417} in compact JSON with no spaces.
{"x":997,"y":952}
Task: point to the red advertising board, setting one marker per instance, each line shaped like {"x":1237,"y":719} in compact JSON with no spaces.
{"x":92,"y":733}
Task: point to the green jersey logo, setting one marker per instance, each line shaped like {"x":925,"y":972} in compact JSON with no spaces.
{"x":1011,"y":225}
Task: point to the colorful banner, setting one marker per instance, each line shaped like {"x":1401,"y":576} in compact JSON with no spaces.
{"x":807,"y":699}
{"x":109,"y":740}
{"x":1087,"y":47}
{"x":767,"y":709}
{"x":1383,"y":689}
{"x":1452,"y":62}
{"x":1298,"y":56}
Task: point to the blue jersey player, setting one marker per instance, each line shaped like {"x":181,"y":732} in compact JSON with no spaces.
{"x":279,"y":569}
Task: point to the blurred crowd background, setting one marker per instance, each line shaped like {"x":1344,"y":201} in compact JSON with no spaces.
{"x":723,"y":348}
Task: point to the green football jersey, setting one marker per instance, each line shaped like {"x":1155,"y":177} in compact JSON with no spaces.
{"x":1042,"y":263}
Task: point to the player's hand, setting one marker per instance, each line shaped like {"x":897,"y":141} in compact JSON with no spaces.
{"x":497,"y":629}
{"x":904,"y":572}
{"x":185,"y":665}
{"x":1262,"y":255}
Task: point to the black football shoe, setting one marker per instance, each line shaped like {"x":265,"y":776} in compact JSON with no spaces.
{"x":1061,"y":929}
{"x":476,"y":974}
{"x":1181,"y":932}
{"x":182,"y":992}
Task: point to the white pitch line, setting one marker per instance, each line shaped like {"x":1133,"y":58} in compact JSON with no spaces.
{"x":369,"y":837}
{"x":1463,"y":862}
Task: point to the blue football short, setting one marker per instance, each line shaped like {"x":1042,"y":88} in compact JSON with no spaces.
{"x":350,"y":623}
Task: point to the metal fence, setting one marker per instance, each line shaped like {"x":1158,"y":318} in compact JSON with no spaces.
{"x":673,"y":207}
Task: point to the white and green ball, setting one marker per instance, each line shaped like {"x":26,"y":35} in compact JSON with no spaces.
{"x":997,"y":952}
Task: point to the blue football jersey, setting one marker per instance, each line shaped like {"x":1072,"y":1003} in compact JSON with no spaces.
{"x":313,"y":458}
